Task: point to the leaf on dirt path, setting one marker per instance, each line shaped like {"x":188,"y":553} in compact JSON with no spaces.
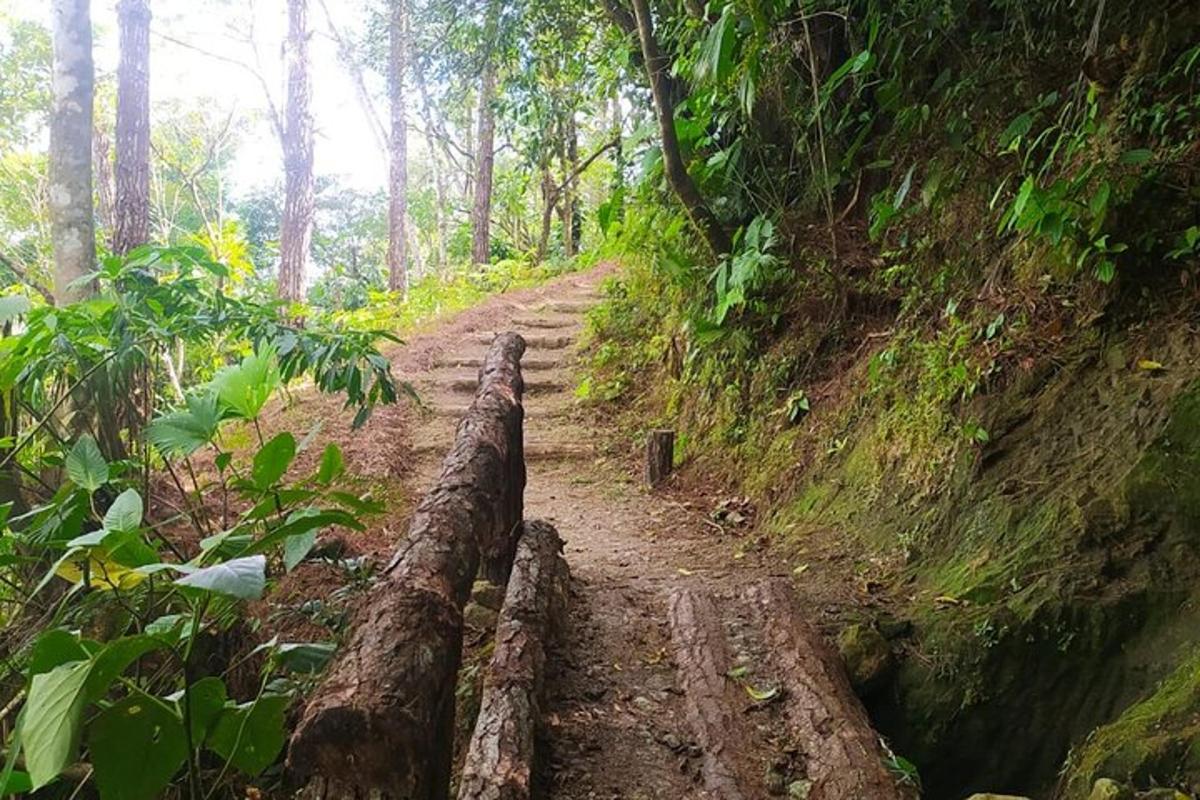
{"x":685,"y":572}
{"x":762,"y":695}
{"x":1150,"y":366}
{"x":800,"y":570}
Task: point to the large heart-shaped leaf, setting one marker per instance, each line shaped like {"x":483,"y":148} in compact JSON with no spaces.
{"x":125,"y":513}
{"x":137,"y":745}
{"x":243,"y":578}
{"x":86,"y":466}
{"x":273,"y":459}
{"x":206,"y":699}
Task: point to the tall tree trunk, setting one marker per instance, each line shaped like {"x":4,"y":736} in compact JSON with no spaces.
{"x":296,"y":228}
{"x":102,"y":176}
{"x":485,"y":157}
{"x":677,"y":175}
{"x":570,"y":161}
{"x":398,"y":179}
{"x":132,"y":206}
{"x":72,"y":227}
{"x":618,"y":131}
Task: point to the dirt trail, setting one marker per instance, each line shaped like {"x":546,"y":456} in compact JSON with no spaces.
{"x":615,"y":726}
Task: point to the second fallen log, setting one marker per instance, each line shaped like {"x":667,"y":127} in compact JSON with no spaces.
{"x":500,"y":759}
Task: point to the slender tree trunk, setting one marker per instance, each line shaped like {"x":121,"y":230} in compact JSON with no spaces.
{"x":132,"y":207}
{"x":618,"y":131}
{"x":485,"y":157}
{"x":72,"y":227}
{"x":102,"y":177}
{"x":549,"y":198}
{"x":398,"y":182}
{"x":296,"y":228}
{"x":570,"y":162}
{"x":677,"y":174}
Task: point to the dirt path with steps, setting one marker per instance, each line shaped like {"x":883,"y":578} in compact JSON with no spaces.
{"x":614,"y":718}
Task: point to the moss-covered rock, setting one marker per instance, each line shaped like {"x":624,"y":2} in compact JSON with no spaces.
{"x":1155,"y":740}
{"x":867,"y":656}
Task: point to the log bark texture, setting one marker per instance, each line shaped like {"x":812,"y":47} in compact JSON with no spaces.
{"x":842,"y":754}
{"x":660,"y":457}
{"x":702,"y":661}
{"x":383,"y":721}
{"x":500,"y":760}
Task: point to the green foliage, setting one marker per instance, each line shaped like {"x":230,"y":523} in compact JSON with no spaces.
{"x":132,"y":693}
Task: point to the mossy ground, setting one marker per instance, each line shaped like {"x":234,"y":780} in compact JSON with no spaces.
{"x":1047,"y":566}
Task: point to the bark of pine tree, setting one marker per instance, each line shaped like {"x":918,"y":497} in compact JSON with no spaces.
{"x":398,"y":179}
{"x":102,"y":176}
{"x":481,"y":212}
{"x":131,"y":223}
{"x":570,"y":162}
{"x":72,"y":227}
{"x":295,"y":233}
{"x":657,"y":65}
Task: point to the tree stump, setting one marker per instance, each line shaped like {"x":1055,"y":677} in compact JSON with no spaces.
{"x":499,"y":762}
{"x":660,"y":456}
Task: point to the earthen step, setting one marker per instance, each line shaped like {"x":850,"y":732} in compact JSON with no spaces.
{"x":533,"y":364}
{"x":468,"y":384}
{"x":550,"y":323}
{"x":534,"y":451}
{"x":535,"y":341}
{"x":569,"y":306}
{"x":534,"y":411}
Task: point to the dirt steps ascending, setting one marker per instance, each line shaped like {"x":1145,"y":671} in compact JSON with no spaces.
{"x":534,"y":341}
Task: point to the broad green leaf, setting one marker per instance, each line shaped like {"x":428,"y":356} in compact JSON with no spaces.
{"x":250,"y":736}
{"x":295,"y":548}
{"x":332,"y":465}
{"x":206,"y":699}
{"x":246,"y":387}
{"x":116,"y":656}
{"x":273,"y":459}
{"x":181,"y":433}
{"x":125,"y":513}
{"x":53,"y":649}
{"x":52,"y":719}
{"x":137,"y":745}
{"x":86,"y":466}
{"x":301,"y":522}
{"x":243,"y":578}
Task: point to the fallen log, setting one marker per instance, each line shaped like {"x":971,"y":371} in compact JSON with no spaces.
{"x":842,"y":755}
{"x":382,"y":721}
{"x":702,"y":661}
{"x":500,"y":758}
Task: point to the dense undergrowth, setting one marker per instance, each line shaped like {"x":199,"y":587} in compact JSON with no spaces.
{"x":957,"y":329}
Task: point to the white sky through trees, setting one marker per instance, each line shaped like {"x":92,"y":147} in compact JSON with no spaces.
{"x":345,"y":146}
